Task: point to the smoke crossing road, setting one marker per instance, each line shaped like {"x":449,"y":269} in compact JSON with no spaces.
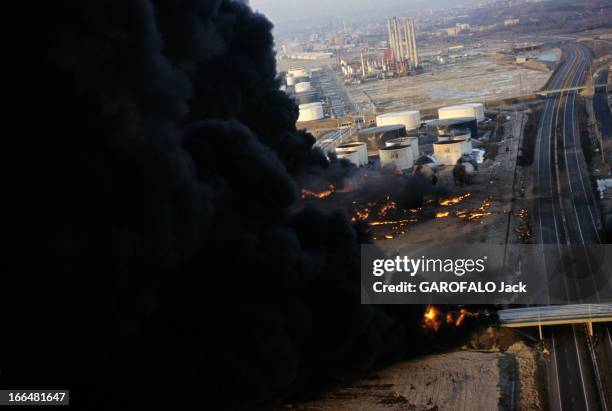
{"x":154,"y":257}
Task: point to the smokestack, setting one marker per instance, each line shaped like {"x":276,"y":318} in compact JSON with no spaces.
{"x":391,"y":38}
{"x":363,"y":73}
{"x":398,"y":38}
{"x":415,"y":54}
{"x":408,"y":42}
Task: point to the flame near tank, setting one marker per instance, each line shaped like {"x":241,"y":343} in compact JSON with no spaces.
{"x":434,"y":318}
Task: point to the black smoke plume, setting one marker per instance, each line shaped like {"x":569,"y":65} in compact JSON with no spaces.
{"x":154,"y":259}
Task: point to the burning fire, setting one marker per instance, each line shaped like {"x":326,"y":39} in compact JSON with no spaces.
{"x":431,"y":318}
{"x":361,"y":214}
{"x":322,"y":194}
{"x":457,"y":318}
{"x":434,"y":317}
{"x":522,"y":213}
{"x":454,"y":200}
{"x":387,"y":207}
{"x":442,"y":214}
{"x":475,"y":214}
{"x":523,"y":229}
{"x":411,"y":220}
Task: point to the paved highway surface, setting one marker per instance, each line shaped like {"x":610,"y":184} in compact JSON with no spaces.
{"x":565,"y":213}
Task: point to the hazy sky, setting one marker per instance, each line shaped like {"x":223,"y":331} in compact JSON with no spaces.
{"x":279,"y":11}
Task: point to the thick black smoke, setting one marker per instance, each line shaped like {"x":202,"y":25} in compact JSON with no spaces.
{"x":153,"y":255}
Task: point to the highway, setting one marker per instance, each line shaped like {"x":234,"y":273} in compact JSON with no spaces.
{"x":565,"y":213}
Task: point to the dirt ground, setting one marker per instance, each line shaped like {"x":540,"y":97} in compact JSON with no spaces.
{"x":465,"y":379}
{"x":453,"y":84}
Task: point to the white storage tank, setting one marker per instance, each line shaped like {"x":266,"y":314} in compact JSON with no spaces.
{"x":473,"y":110}
{"x":467,"y":143}
{"x":448,"y":152}
{"x":400,"y":155}
{"x":298,"y":72}
{"x":290,"y":80}
{"x":311,"y":111}
{"x":413,"y":141}
{"x":479,"y":110}
{"x":410,"y":119}
{"x":303,"y":87}
{"x":360,"y":147}
{"x":350,"y":155}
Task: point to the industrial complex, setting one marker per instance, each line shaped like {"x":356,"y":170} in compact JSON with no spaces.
{"x":511,"y":133}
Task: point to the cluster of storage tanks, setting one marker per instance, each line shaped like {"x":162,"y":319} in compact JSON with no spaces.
{"x":396,"y":138}
{"x":311,"y":108}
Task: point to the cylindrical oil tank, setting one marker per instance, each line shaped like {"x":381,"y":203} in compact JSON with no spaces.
{"x":409,"y":119}
{"x":303,"y":87}
{"x":467,"y":143}
{"x":400,"y":155}
{"x":290,"y":80}
{"x":428,"y":160}
{"x":301,"y":80}
{"x":298,"y":72}
{"x":454,"y":126}
{"x":413,"y":141}
{"x":427,"y":167}
{"x":306,"y":98}
{"x":376,"y":137}
{"x":473,"y":110}
{"x":448,"y":152}
{"x":350,"y":155}
{"x":311,"y":111}
{"x":358,"y":146}
{"x":479,"y":110}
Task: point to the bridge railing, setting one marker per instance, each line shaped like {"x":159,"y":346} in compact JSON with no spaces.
{"x":556,"y":315}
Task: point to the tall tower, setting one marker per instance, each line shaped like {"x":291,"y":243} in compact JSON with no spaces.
{"x":363,"y":72}
{"x":392,"y":41}
{"x":402,"y":41}
{"x":411,"y":46}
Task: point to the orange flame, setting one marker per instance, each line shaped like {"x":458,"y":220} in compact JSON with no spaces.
{"x":475,"y":214}
{"x":361,"y":214}
{"x":412,"y":220}
{"x":387,"y":207}
{"x":322,"y":194}
{"x":442,"y":214}
{"x":431,"y":318}
{"x":454,"y":200}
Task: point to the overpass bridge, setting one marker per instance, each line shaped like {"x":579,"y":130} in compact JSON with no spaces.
{"x":556,"y":315}
{"x":596,"y":87}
